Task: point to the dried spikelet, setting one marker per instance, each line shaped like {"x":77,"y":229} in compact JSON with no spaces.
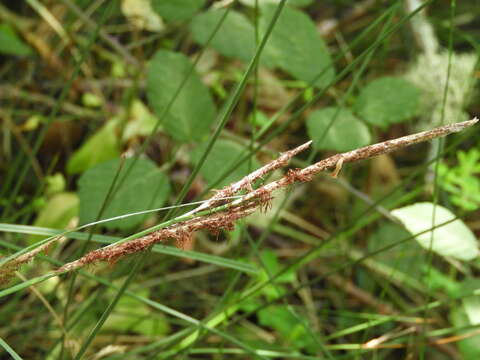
{"x":238,"y":208}
{"x":8,"y":270}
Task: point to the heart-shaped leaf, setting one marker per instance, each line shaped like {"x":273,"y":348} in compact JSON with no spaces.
{"x":193,"y":110}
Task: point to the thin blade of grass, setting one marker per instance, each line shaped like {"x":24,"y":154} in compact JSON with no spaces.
{"x":9,"y":350}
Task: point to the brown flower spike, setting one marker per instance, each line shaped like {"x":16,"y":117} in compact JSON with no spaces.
{"x":223,"y":216}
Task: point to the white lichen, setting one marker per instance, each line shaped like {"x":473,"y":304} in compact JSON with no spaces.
{"x":430,"y":73}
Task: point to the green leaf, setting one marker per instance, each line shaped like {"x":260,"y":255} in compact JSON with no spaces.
{"x":296,"y":46}
{"x":222,"y":156}
{"x":298,"y":3}
{"x":345,"y":133}
{"x":387,"y":101}
{"x":235,"y":38}
{"x":57,"y":213}
{"x":54,"y":184}
{"x":454,"y":239}
{"x":406,"y":257}
{"x":130,"y":315}
{"x":193,"y":111}
{"x":102,"y":146}
{"x":145,"y":187}
{"x":11,"y":44}
{"x":176,"y":10}
{"x":90,"y":99}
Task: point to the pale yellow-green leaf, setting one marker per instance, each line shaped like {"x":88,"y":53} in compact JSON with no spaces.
{"x":454,"y":239}
{"x":141,"y":15}
{"x":103,"y":145}
{"x":57,"y":212}
{"x":140,"y":122}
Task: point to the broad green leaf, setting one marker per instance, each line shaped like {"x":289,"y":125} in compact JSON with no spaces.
{"x":235,"y":38}
{"x":299,"y":3}
{"x":176,"y":10}
{"x":344,"y":131}
{"x":141,"y":121}
{"x":454,"y":239}
{"x":11,"y":44}
{"x":130,"y":315}
{"x":406,"y":257}
{"x":57,"y":212}
{"x":296,"y":46}
{"x":387,"y":101}
{"x":145,"y":187}
{"x":193,"y":111}
{"x":103,"y":145}
{"x":223,"y":155}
